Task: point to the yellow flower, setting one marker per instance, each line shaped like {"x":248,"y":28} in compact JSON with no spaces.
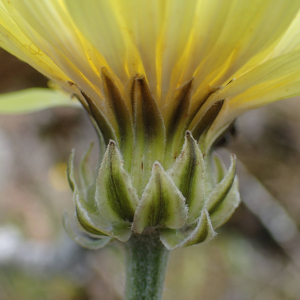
{"x":253,"y":45}
{"x":147,"y":71}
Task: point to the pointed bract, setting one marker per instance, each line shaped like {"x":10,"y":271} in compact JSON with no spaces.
{"x":121,"y":113}
{"x":177,"y":121}
{"x":115,"y":196}
{"x":207,"y":119}
{"x":219,"y":169}
{"x":82,"y":240}
{"x":147,"y":116}
{"x":188,"y":175}
{"x":103,"y":124}
{"x":199,"y":232}
{"x":221,"y":190}
{"x":227,"y":207}
{"x":203,"y":232}
{"x":89,"y":216}
{"x":149,"y":131}
{"x":179,"y":111}
{"x":86,"y":175}
{"x":162,"y":203}
{"x":84,"y":214}
{"x":83,"y":209}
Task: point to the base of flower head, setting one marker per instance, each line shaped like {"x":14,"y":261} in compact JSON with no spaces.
{"x":184,"y":203}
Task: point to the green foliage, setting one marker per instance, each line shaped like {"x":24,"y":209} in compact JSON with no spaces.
{"x":34,"y":99}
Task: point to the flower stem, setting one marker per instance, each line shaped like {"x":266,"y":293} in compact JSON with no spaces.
{"x":146,"y":266}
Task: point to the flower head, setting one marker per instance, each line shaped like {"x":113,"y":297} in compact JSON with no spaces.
{"x":161,"y":81}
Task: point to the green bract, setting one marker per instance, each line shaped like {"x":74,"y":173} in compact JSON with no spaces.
{"x":184,"y":203}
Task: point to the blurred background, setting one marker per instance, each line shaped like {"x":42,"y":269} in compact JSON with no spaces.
{"x":256,"y":255}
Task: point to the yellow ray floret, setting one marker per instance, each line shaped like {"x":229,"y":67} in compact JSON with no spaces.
{"x":246,"y":52}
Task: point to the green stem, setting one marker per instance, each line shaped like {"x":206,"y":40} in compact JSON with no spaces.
{"x":146,"y":265}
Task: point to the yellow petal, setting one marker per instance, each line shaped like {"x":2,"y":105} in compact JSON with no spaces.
{"x":262,"y":94}
{"x":144,"y":19}
{"x":178,"y":23}
{"x":244,"y":39}
{"x":255,"y":97}
{"x":47,"y":26}
{"x":102,"y":24}
{"x":169,"y":42}
{"x":272,"y":69}
{"x":13,"y":40}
